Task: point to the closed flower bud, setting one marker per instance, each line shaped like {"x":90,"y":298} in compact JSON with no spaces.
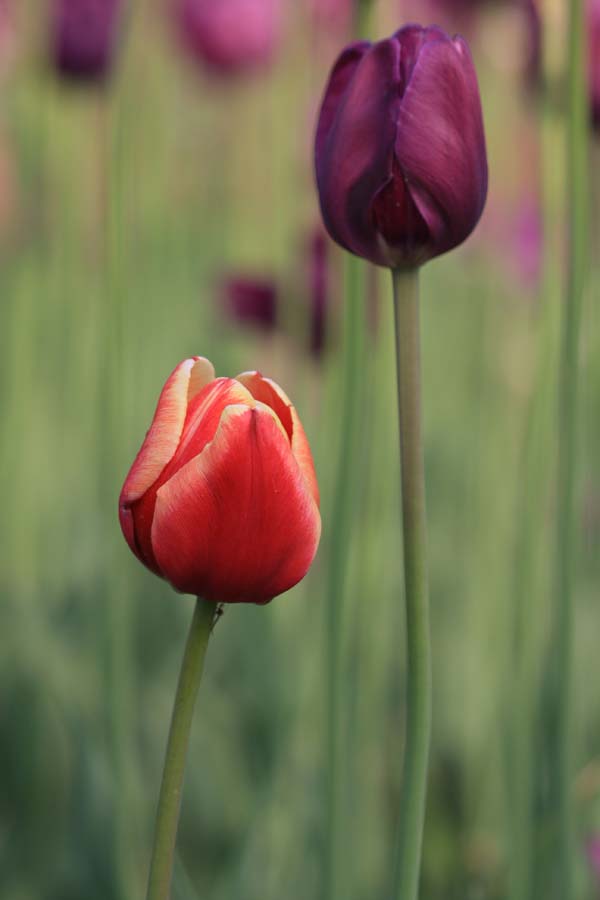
{"x":400,"y":149}
{"x":230,"y":36}
{"x":84,"y":36}
{"x":222,"y":499}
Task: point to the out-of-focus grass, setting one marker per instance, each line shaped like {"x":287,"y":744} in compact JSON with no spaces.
{"x":129,"y":204}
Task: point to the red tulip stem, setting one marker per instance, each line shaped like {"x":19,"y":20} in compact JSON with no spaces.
{"x":418,"y":677}
{"x":169,"y":801}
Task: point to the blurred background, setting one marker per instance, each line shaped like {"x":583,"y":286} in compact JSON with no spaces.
{"x":156,"y":202}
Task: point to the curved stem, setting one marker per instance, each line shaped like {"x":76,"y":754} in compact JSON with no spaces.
{"x":169,"y":801}
{"x":418,"y":689}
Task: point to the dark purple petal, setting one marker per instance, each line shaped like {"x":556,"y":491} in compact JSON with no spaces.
{"x":440,"y":144}
{"x":355,"y":141}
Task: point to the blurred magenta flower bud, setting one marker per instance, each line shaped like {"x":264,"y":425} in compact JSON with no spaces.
{"x":84,"y":37}
{"x":400,"y":149}
{"x":250,"y":301}
{"x":230,"y":36}
{"x":594,"y":59}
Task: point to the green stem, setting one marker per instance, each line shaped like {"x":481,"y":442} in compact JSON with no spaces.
{"x":362,"y":16}
{"x":344,"y":501}
{"x":418,"y":688}
{"x":577,"y":204}
{"x":169,"y":801}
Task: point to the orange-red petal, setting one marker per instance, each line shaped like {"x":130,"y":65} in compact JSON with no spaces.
{"x":238,"y":523}
{"x":268,"y":391}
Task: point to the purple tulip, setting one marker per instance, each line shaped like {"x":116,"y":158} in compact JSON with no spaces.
{"x":250,"y":301}
{"x":84,"y":37}
{"x":230,"y":36}
{"x":400,"y":149}
{"x":594,"y":59}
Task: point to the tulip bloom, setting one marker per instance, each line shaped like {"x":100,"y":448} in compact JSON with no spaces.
{"x":230,"y":36}
{"x":400,"y":151}
{"x":84,"y":37}
{"x":222,"y":500}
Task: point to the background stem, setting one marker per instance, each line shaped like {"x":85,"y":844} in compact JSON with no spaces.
{"x":577,"y":217}
{"x":418,"y":688}
{"x":342,"y":515}
{"x":169,"y":801}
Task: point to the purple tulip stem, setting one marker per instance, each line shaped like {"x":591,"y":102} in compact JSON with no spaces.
{"x":169,"y":801}
{"x":418,"y":674}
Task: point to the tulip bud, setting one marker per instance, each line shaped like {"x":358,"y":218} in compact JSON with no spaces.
{"x":251,"y":301}
{"x":230,"y":36}
{"x":84,"y":37}
{"x":400,"y":150}
{"x":222,"y":499}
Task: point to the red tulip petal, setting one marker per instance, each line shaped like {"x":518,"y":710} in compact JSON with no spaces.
{"x":162,"y":439}
{"x":237,"y":523}
{"x":201,"y":422}
{"x":269,"y":392}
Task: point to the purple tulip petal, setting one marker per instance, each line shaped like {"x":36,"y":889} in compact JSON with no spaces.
{"x":440,"y":144}
{"x":361,"y":101}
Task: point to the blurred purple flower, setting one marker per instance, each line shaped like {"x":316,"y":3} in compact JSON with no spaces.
{"x":319,"y":291}
{"x":230,"y":36}
{"x":400,"y":150}
{"x":250,"y":301}
{"x":84,"y":37}
{"x":594,"y":59}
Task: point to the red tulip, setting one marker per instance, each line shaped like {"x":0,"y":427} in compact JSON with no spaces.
{"x":222,"y":500}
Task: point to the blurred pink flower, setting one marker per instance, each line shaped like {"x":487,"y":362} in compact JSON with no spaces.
{"x":593,"y":855}
{"x":333,"y":15}
{"x":527,"y":239}
{"x":230,"y":36}
{"x":7,"y":35}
